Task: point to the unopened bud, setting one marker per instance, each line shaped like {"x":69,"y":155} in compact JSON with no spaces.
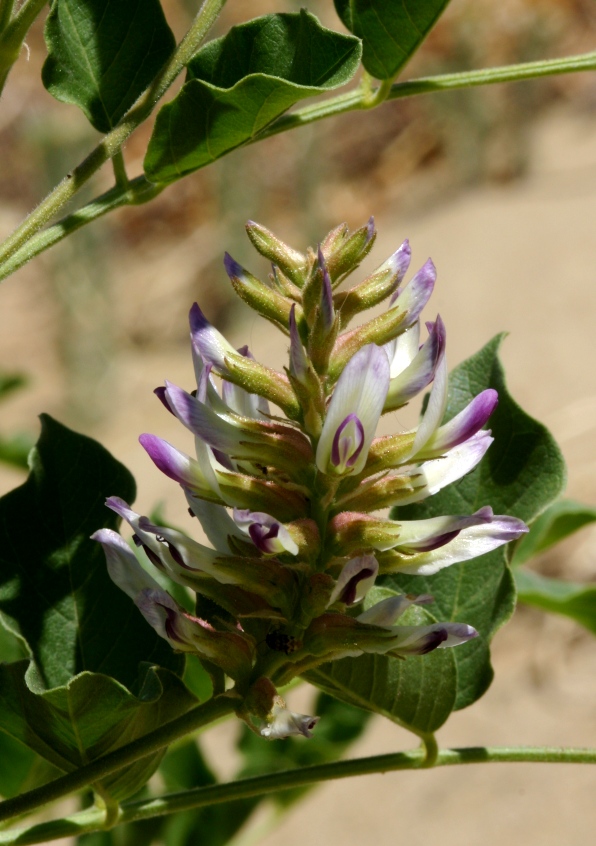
{"x":290,"y":261}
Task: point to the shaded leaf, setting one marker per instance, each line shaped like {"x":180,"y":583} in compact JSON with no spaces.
{"x":102,"y":54}
{"x":26,"y":771}
{"x":522,"y":473}
{"x":391,"y":30}
{"x":417,"y":693}
{"x":90,"y":716}
{"x":562,"y":519}
{"x":559,"y":597}
{"x":55,"y":592}
{"x":238,"y":84}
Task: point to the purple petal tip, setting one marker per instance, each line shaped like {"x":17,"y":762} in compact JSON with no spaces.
{"x":233,"y":269}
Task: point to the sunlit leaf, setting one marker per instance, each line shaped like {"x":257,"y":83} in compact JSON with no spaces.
{"x":558,"y":522}
{"x":238,"y":84}
{"x":559,"y":597}
{"x":391,"y":30}
{"x":102,"y":54}
{"x":522,"y":473}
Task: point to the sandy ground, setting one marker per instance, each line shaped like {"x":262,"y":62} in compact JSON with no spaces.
{"x":522,"y":259}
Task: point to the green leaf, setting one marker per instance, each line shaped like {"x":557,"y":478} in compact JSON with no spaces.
{"x":238,"y":84}
{"x":102,"y":54}
{"x":90,"y":716}
{"x":26,"y":771}
{"x":522,"y":473}
{"x":568,"y":598}
{"x":391,"y":30}
{"x":562,"y":519}
{"x":417,"y":693}
{"x":55,"y":592}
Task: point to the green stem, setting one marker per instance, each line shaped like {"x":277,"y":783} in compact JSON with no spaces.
{"x":113,"y":141}
{"x":13,"y":33}
{"x":246,"y":788}
{"x":13,"y":254}
{"x":120,"y":174}
{"x":6,"y":7}
{"x":138,"y":191}
{"x":191,"y":721}
{"x":427,"y":85}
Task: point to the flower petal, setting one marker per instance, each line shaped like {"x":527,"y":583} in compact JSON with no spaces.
{"x":355,"y":580}
{"x":463,"y":425}
{"x":420,"y":371}
{"x":470,"y":543}
{"x":360,"y":391}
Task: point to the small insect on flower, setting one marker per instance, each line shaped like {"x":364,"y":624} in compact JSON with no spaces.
{"x":280,"y":642}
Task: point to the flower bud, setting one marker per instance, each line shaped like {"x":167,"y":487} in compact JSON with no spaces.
{"x":291,"y":262}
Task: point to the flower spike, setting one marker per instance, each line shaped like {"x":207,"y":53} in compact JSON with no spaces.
{"x":287,"y":504}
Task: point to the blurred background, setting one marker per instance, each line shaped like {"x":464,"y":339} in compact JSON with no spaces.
{"x":498,"y":185}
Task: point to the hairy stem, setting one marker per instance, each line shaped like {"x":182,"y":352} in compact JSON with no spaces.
{"x":13,"y":33}
{"x":428,"y":85}
{"x":113,"y":141}
{"x":92,"y":819}
{"x":28,"y":242}
{"x":194,"y":719}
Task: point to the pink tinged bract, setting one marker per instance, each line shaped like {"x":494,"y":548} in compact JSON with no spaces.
{"x":354,"y":411}
{"x":355,"y":580}
{"x":269,"y":535}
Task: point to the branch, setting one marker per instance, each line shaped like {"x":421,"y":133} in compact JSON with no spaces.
{"x":194,"y":719}
{"x":92,"y":819}
{"x":33,"y":244}
{"x":113,"y":141}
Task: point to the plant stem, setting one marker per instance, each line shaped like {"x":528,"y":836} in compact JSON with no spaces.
{"x":92,"y":819}
{"x":113,"y":141}
{"x":427,"y":85}
{"x":6,"y":7}
{"x":138,"y":191}
{"x":13,"y":33}
{"x":28,"y":242}
{"x":120,"y":174}
{"x":100,"y":768}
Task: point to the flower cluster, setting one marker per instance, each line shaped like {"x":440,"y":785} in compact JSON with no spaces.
{"x":291,"y":504}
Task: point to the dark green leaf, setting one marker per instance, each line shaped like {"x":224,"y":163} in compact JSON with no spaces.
{"x":391,"y":30}
{"x":240,"y":83}
{"x":562,"y":519}
{"x":102,"y":54}
{"x":55,"y":592}
{"x":522,"y":473}
{"x":26,"y":771}
{"x":418,"y":693}
{"x":568,"y":598}
{"x":89,"y":717}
